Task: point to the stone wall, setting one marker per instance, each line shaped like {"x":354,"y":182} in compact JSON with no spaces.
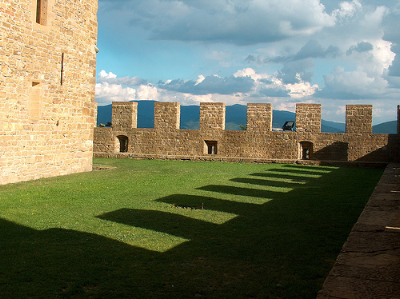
{"x":359,"y":119}
{"x":212,"y":116}
{"x":124,"y":115}
{"x":257,"y":142}
{"x":167,"y":116}
{"x":47,"y":79}
{"x":308,"y":118}
{"x":259,"y":117}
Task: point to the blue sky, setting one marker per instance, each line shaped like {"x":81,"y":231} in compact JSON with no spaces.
{"x":328,"y":52}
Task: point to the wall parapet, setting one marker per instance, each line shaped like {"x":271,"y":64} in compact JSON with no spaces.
{"x":259,"y":117}
{"x":167,"y":116}
{"x":258,"y":141}
{"x":359,"y":119}
{"x":308,"y":118}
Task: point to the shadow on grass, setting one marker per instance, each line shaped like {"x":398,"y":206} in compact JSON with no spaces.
{"x":172,"y":224}
{"x":209,"y":203}
{"x":283,"y":248}
{"x":271,"y":175}
{"x":266,"y":182}
{"x":242,"y":191}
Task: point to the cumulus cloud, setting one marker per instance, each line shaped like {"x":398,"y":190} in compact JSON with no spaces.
{"x":312,"y":49}
{"x":296,"y":71}
{"x":245,"y":85}
{"x":347,"y":10}
{"x":275,"y":92}
{"x":264,"y":51}
{"x":360,"y":47}
{"x":107,"y":93}
{"x":242,"y":22}
{"x":391,"y":25}
{"x":111,"y":78}
{"x":352,"y":85}
{"x":209,"y":85}
{"x":110,"y":88}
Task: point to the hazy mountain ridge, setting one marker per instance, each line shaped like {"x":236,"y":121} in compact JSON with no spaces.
{"x":236,"y":116}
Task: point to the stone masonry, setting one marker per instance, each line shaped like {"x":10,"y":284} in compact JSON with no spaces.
{"x":259,"y":117}
{"x":257,"y":143}
{"x":124,"y":115}
{"x":359,"y":119}
{"x":47,"y":80}
{"x":308,"y":118}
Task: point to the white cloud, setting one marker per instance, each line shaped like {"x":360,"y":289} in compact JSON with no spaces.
{"x":247,"y":72}
{"x":104,"y":75}
{"x":147,"y":92}
{"x":200,"y":79}
{"x":291,"y":45}
{"x":107,"y":93}
{"x":353,"y":85}
{"x":286,"y":106}
{"x":111,"y":78}
{"x":347,"y":10}
{"x":383,"y":53}
{"x":235,"y":22}
{"x":301,"y":89}
{"x":374,"y":19}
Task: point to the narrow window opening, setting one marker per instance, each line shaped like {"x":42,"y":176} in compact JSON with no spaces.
{"x":306,"y":150}
{"x":38,"y":11}
{"x":62,"y":69}
{"x":123,"y":143}
{"x":211,"y":147}
{"x":41,"y":12}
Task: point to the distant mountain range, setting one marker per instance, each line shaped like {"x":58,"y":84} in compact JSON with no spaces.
{"x":236,"y":116}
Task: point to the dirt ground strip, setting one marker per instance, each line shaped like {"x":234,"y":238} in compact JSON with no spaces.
{"x":368,"y":266}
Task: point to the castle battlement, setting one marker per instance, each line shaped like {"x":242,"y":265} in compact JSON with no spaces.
{"x":258,"y":141}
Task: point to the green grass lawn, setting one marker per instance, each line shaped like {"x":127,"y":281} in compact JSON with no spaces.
{"x":178,"y":229}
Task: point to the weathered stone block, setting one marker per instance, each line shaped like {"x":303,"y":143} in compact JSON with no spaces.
{"x":259,"y":117}
{"x":212,"y":116}
{"x":359,"y":119}
{"x":124,"y":115}
{"x":308,"y":118}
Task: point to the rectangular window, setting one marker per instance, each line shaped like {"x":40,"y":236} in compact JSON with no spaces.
{"x":41,"y":12}
{"x":210,"y":147}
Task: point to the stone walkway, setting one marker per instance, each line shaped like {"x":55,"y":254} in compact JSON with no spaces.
{"x":368,"y":266}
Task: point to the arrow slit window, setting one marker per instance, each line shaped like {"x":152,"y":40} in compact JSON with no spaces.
{"x":41,"y":12}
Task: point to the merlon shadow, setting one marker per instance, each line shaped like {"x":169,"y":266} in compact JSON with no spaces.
{"x":249,"y":192}
{"x":210,"y":203}
{"x":267,"y":182}
{"x":173,"y":224}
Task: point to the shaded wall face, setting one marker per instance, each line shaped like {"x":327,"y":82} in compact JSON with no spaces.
{"x":47,"y":79}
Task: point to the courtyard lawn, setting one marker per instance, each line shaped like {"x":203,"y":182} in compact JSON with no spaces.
{"x":178,"y":229}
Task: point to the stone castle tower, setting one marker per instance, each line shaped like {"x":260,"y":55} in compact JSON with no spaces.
{"x":47,"y":80}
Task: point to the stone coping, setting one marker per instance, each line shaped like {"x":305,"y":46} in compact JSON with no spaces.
{"x":368,"y":265}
